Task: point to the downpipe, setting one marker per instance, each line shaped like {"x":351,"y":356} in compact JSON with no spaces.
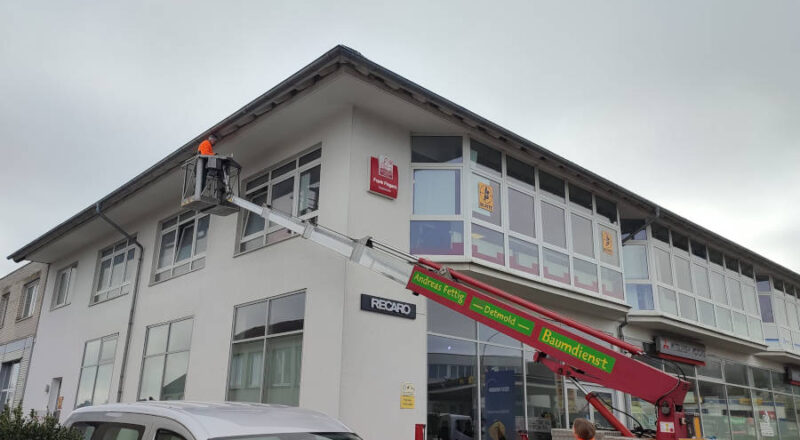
{"x":134,"y":296}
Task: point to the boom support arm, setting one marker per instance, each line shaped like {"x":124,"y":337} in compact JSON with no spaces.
{"x":568,"y":348}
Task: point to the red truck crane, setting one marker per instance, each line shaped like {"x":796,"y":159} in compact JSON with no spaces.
{"x":211,"y":184}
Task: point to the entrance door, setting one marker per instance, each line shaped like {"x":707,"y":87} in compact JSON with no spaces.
{"x":579,"y":407}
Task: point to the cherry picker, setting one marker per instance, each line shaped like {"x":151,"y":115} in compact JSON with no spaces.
{"x":211,"y":184}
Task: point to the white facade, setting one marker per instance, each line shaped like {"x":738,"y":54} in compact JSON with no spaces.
{"x":354,"y":363}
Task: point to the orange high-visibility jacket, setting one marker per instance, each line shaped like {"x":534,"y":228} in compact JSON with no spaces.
{"x":206,"y":148}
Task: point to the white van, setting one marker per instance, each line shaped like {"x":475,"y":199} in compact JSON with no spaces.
{"x":205,"y":421}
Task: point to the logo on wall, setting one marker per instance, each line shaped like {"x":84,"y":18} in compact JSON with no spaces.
{"x":383,"y":176}
{"x":485,"y":197}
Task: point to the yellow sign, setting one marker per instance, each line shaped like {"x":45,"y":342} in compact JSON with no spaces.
{"x":485,"y":197}
{"x":407,"y":402}
{"x":608,"y":243}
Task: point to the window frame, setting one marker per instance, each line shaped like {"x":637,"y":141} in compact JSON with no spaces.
{"x":269,"y":184}
{"x":165,"y":353}
{"x":23,"y":300}
{"x":194,"y":262}
{"x":71,"y":280}
{"x":97,"y":292}
{"x":265,"y":338}
{"x":97,"y":365}
{"x":5,"y":299}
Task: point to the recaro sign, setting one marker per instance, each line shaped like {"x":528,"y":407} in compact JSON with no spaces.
{"x":388,"y":306}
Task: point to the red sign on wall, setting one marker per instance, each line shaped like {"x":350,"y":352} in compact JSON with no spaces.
{"x":383,"y":176}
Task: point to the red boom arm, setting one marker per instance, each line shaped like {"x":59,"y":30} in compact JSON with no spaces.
{"x":565,"y":352}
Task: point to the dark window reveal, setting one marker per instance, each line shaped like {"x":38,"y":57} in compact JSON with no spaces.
{"x":747,"y":270}
{"x":778,"y":285}
{"x":436,"y":149}
{"x":698,"y":249}
{"x":660,"y":232}
{"x":516,"y":169}
{"x":580,"y":196}
{"x":732,"y":263}
{"x":715,"y":256}
{"x":607,"y":209}
{"x":680,"y":241}
{"x":628,"y":226}
{"x":485,"y":157}
{"x":551,"y":184}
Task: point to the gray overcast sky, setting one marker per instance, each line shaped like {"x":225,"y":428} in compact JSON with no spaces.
{"x":692,"y":104}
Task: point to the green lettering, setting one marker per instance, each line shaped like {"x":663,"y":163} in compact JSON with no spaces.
{"x":577,"y":350}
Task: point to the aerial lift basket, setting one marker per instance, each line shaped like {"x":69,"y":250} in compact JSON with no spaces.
{"x":208,"y":183}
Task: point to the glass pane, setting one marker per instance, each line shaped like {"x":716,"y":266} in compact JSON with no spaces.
{"x":437,"y":238}
{"x":109,"y":348}
{"x":175,"y":376}
{"x":634,"y":257}
{"x":287,"y":313}
{"x":502,"y":402}
{"x":102,"y":384}
{"x":687,"y":306}
{"x":762,"y":282}
{"x":611,"y":283}
{"x":521,"y":213}
{"x":247,"y":369}
{"x":787,"y":417}
{"x":255,"y":223}
{"x":582,"y":236}
{"x":118,"y":271}
{"x":553,"y":227}
{"x":556,"y":266}
{"x":130,"y":266}
{"x":667,"y":301}
{"x":683,"y":278}
{"x":706,"y":313}
{"x":520,"y":172}
{"x":750,"y":302}
{"x":640,"y":296}
{"x":523,"y":256}
{"x":185,"y":237}
{"x":86,"y":386}
{"x":250,"y":321}
{"x":309,"y":191}
{"x":63,"y":284}
{"x":680,"y":241}
{"x":448,"y":322}
{"x":202,"y":235}
{"x":436,"y":149}
{"x":167,"y":250}
{"x":580,"y":197}
{"x":712,"y":368}
{"x":484,"y":157}
{"x":310,"y":157}
{"x":545,"y":400}
{"x":736,"y":373}
{"x":437,"y":192}
{"x":761,"y":378}
{"x":742,"y":422}
{"x":628,"y":226}
{"x":486,"y":200}
{"x":698,"y":250}
{"x":283,"y":169}
{"x":150,"y":385}
{"x":282,"y":195}
{"x":551,"y":184}
{"x":756,"y":333}
{"x":157,"y":339}
{"x":660,"y":233}
{"x":740,"y":324}
{"x":488,"y":245}
{"x":92,"y":353}
{"x":715,"y":410}
{"x":585,"y":275}
{"x":180,"y":335}
{"x":282,"y":372}
{"x":724,"y":320}
{"x":735,"y":293}
{"x":700,"y":279}
{"x":765,"y":301}
{"x":718,"y":287}
{"x":715,"y":256}
{"x":452,"y":389}
{"x":779,"y":382}
{"x":488,"y":334}
{"x":607,"y":209}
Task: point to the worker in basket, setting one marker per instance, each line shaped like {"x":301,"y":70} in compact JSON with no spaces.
{"x":211,"y":184}
{"x":206,"y":148}
{"x":583,"y":429}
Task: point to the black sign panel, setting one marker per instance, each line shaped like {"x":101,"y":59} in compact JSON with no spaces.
{"x":792,"y":375}
{"x":388,"y":306}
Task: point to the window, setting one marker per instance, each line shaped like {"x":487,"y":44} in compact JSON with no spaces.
{"x":3,"y":307}
{"x":267,"y":351}
{"x":115,"y":271}
{"x":634,"y":257}
{"x":706,"y":313}
{"x":715,"y":256}
{"x":520,"y":172}
{"x":699,"y":250}
{"x":700,"y":279}
{"x":580,"y":196}
{"x":436,"y":149}
{"x":629,"y":226}
{"x":65,"y":282}
{"x":166,"y":361}
{"x":607,"y":209}
{"x":27,"y":302}
{"x":664,"y":266}
{"x":437,"y":237}
{"x":609,"y":246}
{"x":484,"y":157}
{"x":553,"y":227}
{"x":521,"y":213}
{"x":582,"y":236}
{"x":109,"y":430}
{"x":556,"y":266}
{"x":94,"y":385}
{"x":9,"y":373}
{"x":683,"y":276}
{"x":292,"y":187}
{"x":680,"y":241}
{"x":687,"y":307}
{"x":640,"y":296}
{"x":163,"y":434}
{"x":487,"y":244}
{"x":667,"y":301}
{"x":551,"y":184}
{"x":523,"y":256}
{"x":486,"y":200}
{"x":660,"y":232}
{"x":585,"y":275}
{"x":182,"y":245}
{"x":437,"y":192}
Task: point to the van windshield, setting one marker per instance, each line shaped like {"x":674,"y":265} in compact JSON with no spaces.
{"x":297,"y":436}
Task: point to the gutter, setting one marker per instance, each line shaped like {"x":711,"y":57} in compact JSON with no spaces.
{"x":134,"y":295}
